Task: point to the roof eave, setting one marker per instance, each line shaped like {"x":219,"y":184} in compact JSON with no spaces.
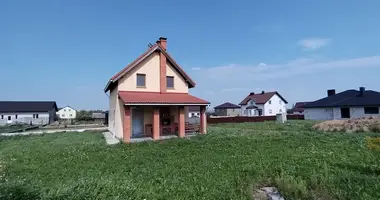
{"x":108,"y":85}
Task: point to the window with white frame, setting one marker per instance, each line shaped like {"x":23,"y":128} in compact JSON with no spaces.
{"x":270,"y":101}
{"x":270,"y":111}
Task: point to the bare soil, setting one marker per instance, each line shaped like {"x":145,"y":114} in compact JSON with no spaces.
{"x":364,"y":124}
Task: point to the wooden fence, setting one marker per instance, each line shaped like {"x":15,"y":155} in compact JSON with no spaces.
{"x":241,"y":119}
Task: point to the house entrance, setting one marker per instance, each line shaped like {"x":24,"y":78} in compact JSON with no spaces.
{"x":345,"y":112}
{"x":137,"y":122}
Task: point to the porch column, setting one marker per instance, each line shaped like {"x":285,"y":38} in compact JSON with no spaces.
{"x":127,"y":124}
{"x":181,"y":121}
{"x":156,"y":123}
{"x":203,"y":120}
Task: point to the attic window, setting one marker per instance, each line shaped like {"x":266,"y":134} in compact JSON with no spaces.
{"x":140,"y":80}
{"x":371,"y":110}
{"x":170,"y":81}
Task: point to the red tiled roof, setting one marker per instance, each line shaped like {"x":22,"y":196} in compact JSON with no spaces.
{"x":298,"y":107}
{"x":260,"y":98}
{"x":129,"y":97}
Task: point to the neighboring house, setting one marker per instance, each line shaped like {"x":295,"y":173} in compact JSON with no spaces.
{"x":194,"y":111}
{"x":263,"y":104}
{"x":27,"y":112}
{"x":227,"y":109}
{"x":98,"y":115}
{"x":298,"y":108}
{"x":344,"y":105}
{"x":67,"y":113}
{"x":150,"y":96}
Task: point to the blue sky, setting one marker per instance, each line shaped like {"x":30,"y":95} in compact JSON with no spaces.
{"x":66,"y":50}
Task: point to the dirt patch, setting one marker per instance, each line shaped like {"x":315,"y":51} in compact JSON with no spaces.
{"x":364,"y":124}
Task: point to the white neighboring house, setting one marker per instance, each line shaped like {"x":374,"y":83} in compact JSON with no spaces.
{"x":67,"y":113}
{"x":263,"y":104}
{"x":194,"y":111}
{"x":344,"y":105}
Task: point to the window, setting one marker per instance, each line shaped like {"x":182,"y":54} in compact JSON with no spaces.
{"x":71,"y":115}
{"x":371,"y":110}
{"x":140,"y":80}
{"x":270,"y":102}
{"x":170,"y":81}
{"x":16,"y":116}
{"x":2,"y":116}
{"x":9,"y":118}
{"x":270,"y":111}
{"x":251,"y":102}
{"x":63,"y":115}
{"x":280,"y":102}
{"x":345,"y":113}
{"x":35,"y":116}
{"x":64,"y":110}
{"x":280,"y":110}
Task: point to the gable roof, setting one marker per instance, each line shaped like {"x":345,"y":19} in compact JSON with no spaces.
{"x":347,"y":98}
{"x":66,"y":107}
{"x":226,"y":105}
{"x":194,"y":108}
{"x":27,"y":106}
{"x":260,"y":98}
{"x":299,"y":107}
{"x":155,"y":48}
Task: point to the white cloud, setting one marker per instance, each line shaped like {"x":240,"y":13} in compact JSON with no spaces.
{"x":262,"y":64}
{"x":314,"y":43}
{"x":196,"y":68}
{"x":231,"y":77}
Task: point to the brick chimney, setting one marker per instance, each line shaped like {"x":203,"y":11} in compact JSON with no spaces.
{"x":162,"y":42}
{"x":330,"y":92}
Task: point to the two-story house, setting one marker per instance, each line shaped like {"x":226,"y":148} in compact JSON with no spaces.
{"x":150,"y":96}
{"x":263,"y":104}
{"x":67,"y":113}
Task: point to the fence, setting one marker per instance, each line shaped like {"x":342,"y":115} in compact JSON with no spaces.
{"x":241,"y":119}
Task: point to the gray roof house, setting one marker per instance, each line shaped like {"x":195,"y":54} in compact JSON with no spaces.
{"x":27,"y":112}
{"x":227,"y":109}
{"x":344,"y":105}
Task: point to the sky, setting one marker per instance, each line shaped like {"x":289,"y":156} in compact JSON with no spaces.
{"x":67,"y":50}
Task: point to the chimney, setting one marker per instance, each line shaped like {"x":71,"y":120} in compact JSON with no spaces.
{"x":263,"y":92}
{"x":361,"y":90}
{"x":252,"y":93}
{"x":330,"y":92}
{"x":162,"y":42}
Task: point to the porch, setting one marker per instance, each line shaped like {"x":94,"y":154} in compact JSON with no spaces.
{"x":156,"y":122}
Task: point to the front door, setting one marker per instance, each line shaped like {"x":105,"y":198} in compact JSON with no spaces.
{"x":345,"y":112}
{"x":137,"y":122}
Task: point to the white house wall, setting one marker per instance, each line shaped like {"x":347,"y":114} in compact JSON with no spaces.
{"x":67,"y":113}
{"x":334,"y":113}
{"x":25,"y":118}
{"x":277,"y":106}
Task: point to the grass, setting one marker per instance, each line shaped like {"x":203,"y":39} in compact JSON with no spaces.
{"x":227,"y":163}
{"x":8,"y":128}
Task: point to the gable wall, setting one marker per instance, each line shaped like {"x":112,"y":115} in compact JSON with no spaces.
{"x":149,"y":67}
{"x":180,"y":84}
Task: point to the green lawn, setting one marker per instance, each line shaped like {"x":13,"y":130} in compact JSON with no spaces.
{"x":227,"y":163}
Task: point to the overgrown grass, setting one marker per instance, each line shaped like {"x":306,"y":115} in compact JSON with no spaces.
{"x":227,"y":163}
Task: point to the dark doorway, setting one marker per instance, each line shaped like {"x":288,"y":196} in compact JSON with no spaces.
{"x":260,"y":112}
{"x":345,"y":112}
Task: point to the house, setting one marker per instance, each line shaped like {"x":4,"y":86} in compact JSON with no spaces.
{"x":344,"y":105}
{"x":227,"y":109}
{"x":98,"y":115}
{"x":27,"y":112}
{"x":263,"y":104}
{"x":194,"y":111}
{"x":67,"y":113}
{"x":150,"y":97}
{"x":298,"y":108}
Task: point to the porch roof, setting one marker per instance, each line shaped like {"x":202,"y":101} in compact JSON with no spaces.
{"x":157,"y":98}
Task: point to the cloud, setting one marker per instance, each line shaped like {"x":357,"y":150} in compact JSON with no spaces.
{"x":314,"y":43}
{"x":196,"y":68}
{"x":233,"y":77}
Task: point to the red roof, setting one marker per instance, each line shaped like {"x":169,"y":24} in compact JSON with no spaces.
{"x":298,"y":107}
{"x":260,"y":98}
{"x":129,"y":97}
